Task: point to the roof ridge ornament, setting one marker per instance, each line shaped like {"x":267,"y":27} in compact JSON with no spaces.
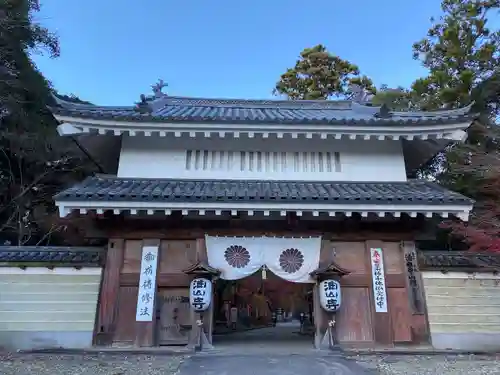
{"x":383,"y":112}
{"x":158,"y":87}
{"x":146,"y":104}
{"x":360,"y":95}
{"x":142,"y":106}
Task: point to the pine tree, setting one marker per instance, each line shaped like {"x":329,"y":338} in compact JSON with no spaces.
{"x":462,"y":55}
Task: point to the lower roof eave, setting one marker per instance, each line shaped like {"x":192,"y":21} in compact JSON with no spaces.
{"x":409,"y":130}
{"x":460,"y":211}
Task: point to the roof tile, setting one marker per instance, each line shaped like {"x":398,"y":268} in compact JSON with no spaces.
{"x":458,"y":261}
{"x":238,"y":111}
{"x":68,"y":256}
{"x":110,"y":188}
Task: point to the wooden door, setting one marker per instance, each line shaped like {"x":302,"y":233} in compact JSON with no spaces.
{"x":175,"y":324}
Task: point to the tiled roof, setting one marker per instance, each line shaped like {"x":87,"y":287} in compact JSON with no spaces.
{"x":58,"y":256}
{"x":458,"y":261}
{"x":236,"y":111}
{"x":109,"y":188}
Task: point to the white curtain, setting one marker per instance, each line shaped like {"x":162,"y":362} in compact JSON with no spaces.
{"x":292,"y":259}
{"x":235,"y":257}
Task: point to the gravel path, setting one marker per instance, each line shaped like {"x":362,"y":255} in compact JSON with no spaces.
{"x":119,"y":364}
{"x":29,"y":364}
{"x":431,"y":364}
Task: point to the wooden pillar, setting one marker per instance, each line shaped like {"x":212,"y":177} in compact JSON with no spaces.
{"x":381,"y":320}
{"x":202,"y":269}
{"x":325,"y":337}
{"x":194,"y":335}
{"x":108,"y":296}
{"x":318,"y":318}
{"x":145,"y":331}
{"x":415,"y":287}
{"x":201,"y":250}
{"x":208,"y":316}
{"x":413,"y":278}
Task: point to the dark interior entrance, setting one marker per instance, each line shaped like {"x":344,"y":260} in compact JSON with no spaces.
{"x":262,"y":308}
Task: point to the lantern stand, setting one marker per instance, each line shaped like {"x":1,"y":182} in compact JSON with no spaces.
{"x":199,"y":340}
{"x":328,"y":339}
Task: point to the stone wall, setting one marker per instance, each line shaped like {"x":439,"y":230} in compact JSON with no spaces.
{"x":48,"y":308}
{"x":463,"y":309}
{"x":48,"y":296}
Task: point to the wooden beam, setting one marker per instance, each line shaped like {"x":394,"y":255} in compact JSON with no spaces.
{"x":191,"y":234}
{"x":201,"y":254}
{"x":419,"y":323}
{"x":413,"y":278}
{"x":108,"y":296}
{"x":194,"y":337}
{"x":347,"y":230}
{"x":318,"y":317}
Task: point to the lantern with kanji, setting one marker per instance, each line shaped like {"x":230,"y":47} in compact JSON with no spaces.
{"x":200,"y":294}
{"x":330,"y":296}
{"x":328,"y":277}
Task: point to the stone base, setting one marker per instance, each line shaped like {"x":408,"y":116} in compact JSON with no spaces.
{"x":205,"y":344}
{"x":200,"y":342}
{"x":326,"y":341}
{"x":28,"y":340}
{"x":466,"y":341}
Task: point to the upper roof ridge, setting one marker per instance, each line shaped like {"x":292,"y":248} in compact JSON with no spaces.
{"x":184,"y":101}
{"x":74,"y":105}
{"x":256,"y":103}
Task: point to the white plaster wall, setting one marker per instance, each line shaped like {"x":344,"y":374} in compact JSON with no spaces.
{"x":43,"y":308}
{"x":463,"y":310}
{"x":359,"y":160}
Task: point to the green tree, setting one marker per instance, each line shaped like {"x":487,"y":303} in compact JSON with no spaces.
{"x":462,"y":55}
{"x":460,"y":51}
{"x":34,"y":161}
{"x":24,"y":92}
{"x":398,"y":99}
{"x":318,"y":74}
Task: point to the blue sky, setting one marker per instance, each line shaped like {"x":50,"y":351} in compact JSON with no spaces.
{"x":113,"y":50}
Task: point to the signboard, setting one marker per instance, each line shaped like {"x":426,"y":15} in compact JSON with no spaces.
{"x":329,"y":295}
{"x":147,"y":284}
{"x":378,"y":279}
{"x":414,"y":279}
{"x":200,"y":294}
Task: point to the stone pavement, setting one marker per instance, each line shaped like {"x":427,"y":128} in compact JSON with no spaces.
{"x":327,"y":364}
{"x":279,"y":350}
{"x":280,"y":364}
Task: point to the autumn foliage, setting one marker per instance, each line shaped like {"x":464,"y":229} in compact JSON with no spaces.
{"x":473,"y":169}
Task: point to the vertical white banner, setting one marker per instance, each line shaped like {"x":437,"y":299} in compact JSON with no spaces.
{"x":147,"y":284}
{"x":378,"y":279}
